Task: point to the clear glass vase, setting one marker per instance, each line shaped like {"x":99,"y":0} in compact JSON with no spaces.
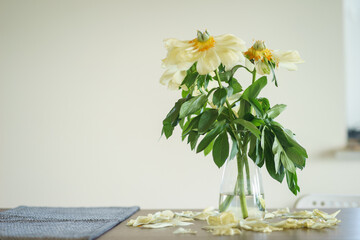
{"x":241,"y":190}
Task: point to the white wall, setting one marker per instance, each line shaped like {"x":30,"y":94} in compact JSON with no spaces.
{"x":81,"y":106}
{"x":352,"y":51}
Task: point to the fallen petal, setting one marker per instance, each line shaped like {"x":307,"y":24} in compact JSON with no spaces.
{"x":184,"y":231}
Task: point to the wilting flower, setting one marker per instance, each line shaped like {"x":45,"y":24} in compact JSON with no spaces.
{"x":265,"y":58}
{"x":208,"y":51}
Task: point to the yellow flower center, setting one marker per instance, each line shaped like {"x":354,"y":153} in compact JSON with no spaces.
{"x":203,"y":46}
{"x":258,"y":52}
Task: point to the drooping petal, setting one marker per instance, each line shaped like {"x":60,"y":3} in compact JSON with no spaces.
{"x":287,"y":59}
{"x":288,"y":66}
{"x":228,"y":57}
{"x":172,"y":78}
{"x":292,"y":56}
{"x":208,"y":62}
{"x":262,"y":68}
{"x":230,"y":50}
{"x":230,"y":41}
{"x":179,"y":54}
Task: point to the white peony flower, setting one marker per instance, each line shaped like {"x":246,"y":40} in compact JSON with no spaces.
{"x":263,"y":57}
{"x":208,"y":51}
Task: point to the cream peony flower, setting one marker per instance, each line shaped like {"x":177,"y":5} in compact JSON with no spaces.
{"x":208,"y":51}
{"x":263,"y":57}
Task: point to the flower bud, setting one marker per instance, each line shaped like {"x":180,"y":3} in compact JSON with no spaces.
{"x":203,"y":37}
{"x":259,"y":45}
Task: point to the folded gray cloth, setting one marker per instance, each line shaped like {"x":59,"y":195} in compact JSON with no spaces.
{"x":60,"y":223}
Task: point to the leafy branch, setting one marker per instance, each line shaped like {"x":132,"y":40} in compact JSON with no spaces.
{"x":209,"y":120}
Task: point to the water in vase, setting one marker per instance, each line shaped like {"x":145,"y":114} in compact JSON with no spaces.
{"x":255,"y":205}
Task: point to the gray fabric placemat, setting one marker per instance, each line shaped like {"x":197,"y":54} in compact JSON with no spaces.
{"x":60,"y":223}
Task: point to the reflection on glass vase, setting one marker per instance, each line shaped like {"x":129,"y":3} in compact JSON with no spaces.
{"x":241,"y":190}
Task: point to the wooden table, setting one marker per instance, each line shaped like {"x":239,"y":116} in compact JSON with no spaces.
{"x":349,"y":228}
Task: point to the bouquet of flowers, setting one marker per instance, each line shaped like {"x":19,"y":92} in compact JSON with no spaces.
{"x":216,"y":114}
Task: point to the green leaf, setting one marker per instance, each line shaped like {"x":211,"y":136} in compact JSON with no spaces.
{"x":291,"y":179}
{"x":286,"y":138}
{"x":272,"y":67}
{"x":210,"y":136}
{"x":192,"y":139}
{"x":265,"y":104}
{"x":234,"y":149}
{"x":219,"y":97}
{"x":257,"y":106}
{"x":235,"y":85}
{"x":252,"y":148}
{"x":181,"y":122}
{"x":256,"y":153}
{"x":279,"y":153}
{"x":167,"y":130}
{"x":208,"y":149}
{"x":193,"y":105}
{"x":281,"y":136}
{"x":185,"y":93}
{"x":254,"y":89}
{"x":249,"y":117}
{"x":288,"y":164}
{"x":276,"y":110}
{"x":221,"y":149}
{"x":295,"y":156}
{"x":203,"y":81}
{"x":207,"y":119}
{"x":244,"y":108}
{"x":263,"y":138}
{"x":277,"y":150}
{"x":258,"y":122}
{"x":291,"y":139}
{"x":269,"y":158}
{"x":171,"y":118}
{"x":189,"y":78}
{"x":229,"y":91}
{"x":225,"y":76}
{"x":249,"y":126}
{"x":190,"y":125}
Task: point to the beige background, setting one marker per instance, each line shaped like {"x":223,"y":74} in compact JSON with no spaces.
{"x":81,"y":105}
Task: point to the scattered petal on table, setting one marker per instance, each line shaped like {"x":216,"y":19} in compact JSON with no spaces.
{"x":184,"y":231}
{"x":184,"y":219}
{"x":226,"y":231}
{"x":141,"y":220}
{"x":164,"y":215}
{"x":176,"y":222}
{"x":301,"y":214}
{"x":188,"y":214}
{"x":158,"y":225}
{"x":227,"y":218}
{"x":324,"y":215}
{"x":269,"y":215}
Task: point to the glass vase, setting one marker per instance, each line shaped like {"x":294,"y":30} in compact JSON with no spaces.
{"x":241,"y":190}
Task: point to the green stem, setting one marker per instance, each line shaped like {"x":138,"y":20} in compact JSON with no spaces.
{"x":239,"y":186}
{"x":247,"y":171}
{"x":232,"y":126}
{"x":253,"y":76}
